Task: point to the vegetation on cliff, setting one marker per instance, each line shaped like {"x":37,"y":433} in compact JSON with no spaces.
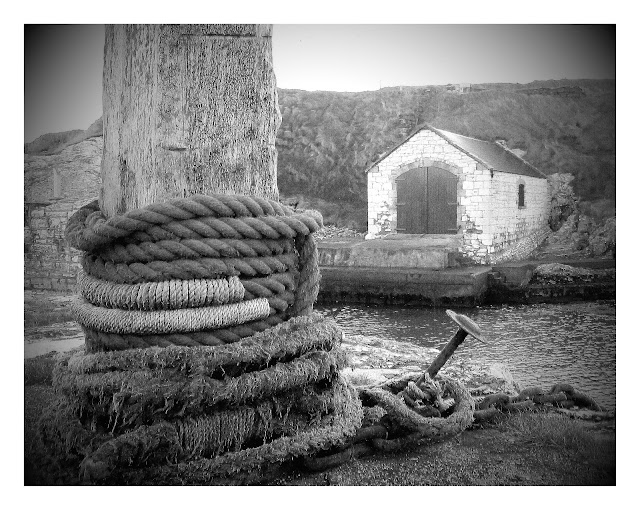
{"x":327,"y":140}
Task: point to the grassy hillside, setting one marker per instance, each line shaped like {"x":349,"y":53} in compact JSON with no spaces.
{"x":328,"y":139}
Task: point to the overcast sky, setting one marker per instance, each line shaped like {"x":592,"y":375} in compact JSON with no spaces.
{"x":63,"y":63}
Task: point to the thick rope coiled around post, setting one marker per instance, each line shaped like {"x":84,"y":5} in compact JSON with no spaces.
{"x":163,"y":244}
{"x":229,"y":216}
{"x":201,"y":346}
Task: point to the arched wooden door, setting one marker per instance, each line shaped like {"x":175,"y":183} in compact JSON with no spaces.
{"x":427,"y":201}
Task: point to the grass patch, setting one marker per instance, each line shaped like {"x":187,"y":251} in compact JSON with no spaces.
{"x":545,"y":430}
{"x":39,"y":370}
{"x":549,"y":430}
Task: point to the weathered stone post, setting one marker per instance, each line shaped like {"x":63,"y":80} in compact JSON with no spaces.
{"x":187,"y":109}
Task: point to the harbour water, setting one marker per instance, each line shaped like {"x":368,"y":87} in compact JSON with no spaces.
{"x":541,"y":344}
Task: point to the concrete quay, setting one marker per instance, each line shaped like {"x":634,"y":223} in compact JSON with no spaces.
{"x":425,"y":271}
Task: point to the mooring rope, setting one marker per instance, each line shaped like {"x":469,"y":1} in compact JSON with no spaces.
{"x":186,"y":269}
{"x":113,"y":320}
{"x":219,"y":216}
{"x":123,"y":399}
{"x":165,"y":295}
{"x":99,"y":341}
{"x":305,"y":334}
{"x":200,"y":340}
{"x":203,"y":356}
{"x":137,"y":403}
{"x":168,"y":250}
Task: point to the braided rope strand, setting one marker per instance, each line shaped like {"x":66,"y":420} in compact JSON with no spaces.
{"x":186,"y":269}
{"x":304,"y":334}
{"x":100,"y":341}
{"x":166,"y":295}
{"x":113,"y":320}
{"x":264,"y":227}
{"x":168,"y":250}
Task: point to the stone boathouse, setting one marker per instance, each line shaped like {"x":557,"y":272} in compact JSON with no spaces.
{"x":492,"y":204}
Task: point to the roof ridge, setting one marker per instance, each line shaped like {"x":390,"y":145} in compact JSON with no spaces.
{"x":458,"y":134}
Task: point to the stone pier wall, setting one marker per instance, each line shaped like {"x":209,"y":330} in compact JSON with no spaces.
{"x":55,"y":187}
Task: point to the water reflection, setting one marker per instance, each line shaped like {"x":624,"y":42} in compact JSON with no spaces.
{"x":542,"y":344}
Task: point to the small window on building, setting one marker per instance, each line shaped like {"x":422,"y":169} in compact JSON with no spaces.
{"x":520,"y":195}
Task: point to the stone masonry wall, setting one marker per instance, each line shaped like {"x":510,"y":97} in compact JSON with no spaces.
{"x":516,"y":231}
{"x":54,"y":188}
{"x":425,"y":147}
{"x":489,"y":218}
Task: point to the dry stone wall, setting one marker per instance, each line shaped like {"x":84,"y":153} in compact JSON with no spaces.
{"x":54,"y":188}
{"x":492,"y":224}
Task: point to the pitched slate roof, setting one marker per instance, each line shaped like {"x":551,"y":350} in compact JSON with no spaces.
{"x":490,"y":154}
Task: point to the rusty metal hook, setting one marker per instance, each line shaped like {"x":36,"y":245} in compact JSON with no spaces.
{"x":466,"y":327}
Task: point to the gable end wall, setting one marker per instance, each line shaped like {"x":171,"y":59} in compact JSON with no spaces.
{"x":489,"y":219}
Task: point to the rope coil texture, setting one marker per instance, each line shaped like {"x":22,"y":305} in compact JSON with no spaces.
{"x":166,"y":295}
{"x":111,"y":320}
{"x":212,"y":411}
{"x":200,"y":216}
{"x":186,"y":255}
{"x":202,"y":349}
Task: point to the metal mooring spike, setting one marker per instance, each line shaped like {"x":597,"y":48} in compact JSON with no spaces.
{"x":467,"y":325}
